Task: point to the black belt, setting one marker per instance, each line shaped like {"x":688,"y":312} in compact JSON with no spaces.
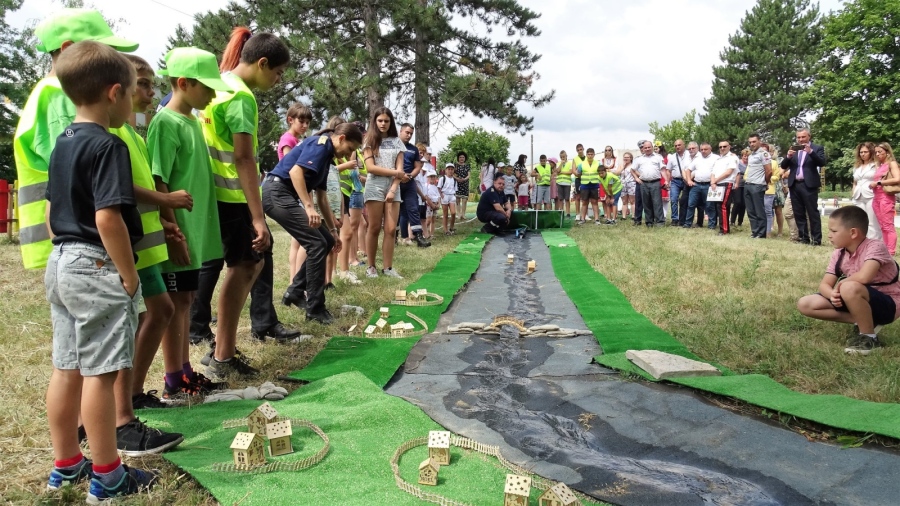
{"x":653,"y":181}
{"x":676,"y":178}
{"x":702,"y":182}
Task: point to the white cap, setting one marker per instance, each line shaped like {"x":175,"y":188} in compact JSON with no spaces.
{"x":500,"y":165}
{"x":449,"y":164}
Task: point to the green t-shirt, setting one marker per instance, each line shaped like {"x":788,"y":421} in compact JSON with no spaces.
{"x":179,"y":158}
{"x":611,"y":183}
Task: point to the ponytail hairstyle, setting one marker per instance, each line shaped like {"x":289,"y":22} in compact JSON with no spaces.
{"x":350,"y":131}
{"x":373,"y":135}
{"x":244,"y":47}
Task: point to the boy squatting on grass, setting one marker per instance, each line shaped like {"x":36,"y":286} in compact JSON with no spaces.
{"x":94,"y":221}
{"x":860,"y":284}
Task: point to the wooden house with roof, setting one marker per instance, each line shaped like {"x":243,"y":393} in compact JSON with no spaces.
{"x":247,"y":450}
{"x":428,"y":472}
{"x":558,"y":495}
{"x":517,"y":490}
{"x":439,"y":446}
{"x":279,"y":434}
{"x":260,"y":417}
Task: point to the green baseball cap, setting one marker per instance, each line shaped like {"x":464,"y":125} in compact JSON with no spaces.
{"x":77,"y":25}
{"x":195,"y":63}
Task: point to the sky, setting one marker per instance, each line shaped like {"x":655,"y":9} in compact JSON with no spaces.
{"x":615,"y":65}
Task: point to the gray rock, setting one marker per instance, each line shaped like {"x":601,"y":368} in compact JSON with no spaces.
{"x":347,"y":309}
{"x":663,"y":365}
{"x":548,"y":328}
{"x":472,"y":325}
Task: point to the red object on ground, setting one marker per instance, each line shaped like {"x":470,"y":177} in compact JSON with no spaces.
{"x":4,"y":204}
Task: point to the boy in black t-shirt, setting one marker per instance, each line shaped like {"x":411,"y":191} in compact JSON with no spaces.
{"x":91,"y":280}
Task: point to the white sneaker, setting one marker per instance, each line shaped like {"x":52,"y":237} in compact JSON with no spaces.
{"x":349,"y":277}
{"x":371,"y":272}
{"x":391,"y":273}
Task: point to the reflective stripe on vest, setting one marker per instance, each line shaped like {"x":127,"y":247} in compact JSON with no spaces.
{"x":544,"y":173}
{"x":589,"y":172}
{"x":221,"y":151}
{"x":45,"y":116}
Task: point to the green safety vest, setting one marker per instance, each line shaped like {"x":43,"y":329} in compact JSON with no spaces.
{"x":589,"y":172}
{"x":544,"y":175}
{"x":33,"y":142}
{"x":221,"y":151}
{"x":346,"y":182}
{"x":612,"y":184}
{"x":565,"y":170}
{"x":150,"y":250}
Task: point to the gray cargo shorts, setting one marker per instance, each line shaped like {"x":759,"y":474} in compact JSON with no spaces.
{"x":94,"y":319}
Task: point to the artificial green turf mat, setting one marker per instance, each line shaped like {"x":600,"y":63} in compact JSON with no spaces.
{"x":365,"y":426}
{"x":618,"y":328}
{"x":379,"y":359}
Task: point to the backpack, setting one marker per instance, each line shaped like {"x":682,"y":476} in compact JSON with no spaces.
{"x":840,"y":274}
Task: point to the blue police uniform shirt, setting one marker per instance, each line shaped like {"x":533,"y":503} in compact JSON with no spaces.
{"x":315,"y":155}
{"x":487,"y":201}
{"x":410,"y":157}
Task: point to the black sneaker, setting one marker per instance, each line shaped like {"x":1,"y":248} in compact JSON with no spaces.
{"x":862,"y":345}
{"x":324,"y":317}
{"x":147,"y":400}
{"x":132,"y":482}
{"x":237,"y":365}
{"x":289,"y":300}
{"x":277,"y":332}
{"x":207,"y":335}
{"x":203,"y":384}
{"x":422,"y":242}
{"x":134,"y":439}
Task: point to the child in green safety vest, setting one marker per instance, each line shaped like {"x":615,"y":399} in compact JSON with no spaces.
{"x":612,"y":187}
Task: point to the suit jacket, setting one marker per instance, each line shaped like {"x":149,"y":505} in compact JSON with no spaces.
{"x":810,"y":168}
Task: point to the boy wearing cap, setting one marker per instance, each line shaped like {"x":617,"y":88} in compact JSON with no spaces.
{"x":447,"y":186}
{"x":179,"y":161}
{"x":91,"y":280}
{"x":46,"y":114}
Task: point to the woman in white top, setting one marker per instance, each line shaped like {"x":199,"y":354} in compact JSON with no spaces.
{"x":628,"y":184}
{"x":383,"y":154}
{"x":487,"y":174}
{"x":863,"y":176}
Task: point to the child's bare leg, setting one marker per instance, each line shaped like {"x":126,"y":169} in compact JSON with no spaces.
{"x":375,"y":210}
{"x":818,"y":307}
{"x":453,"y":211}
{"x":232,"y":296}
{"x":98,"y":410}
{"x":292,"y":258}
{"x":63,"y":408}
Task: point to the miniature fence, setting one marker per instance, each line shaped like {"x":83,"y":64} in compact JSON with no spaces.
{"x":404,"y":335}
{"x":298,"y":465}
{"x":462,"y":442}
{"x":429,"y":299}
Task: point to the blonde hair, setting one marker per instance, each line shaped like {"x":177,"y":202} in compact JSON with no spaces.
{"x":886,"y":146}
{"x":86,"y":69}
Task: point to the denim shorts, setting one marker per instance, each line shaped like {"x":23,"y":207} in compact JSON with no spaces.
{"x":94,"y":319}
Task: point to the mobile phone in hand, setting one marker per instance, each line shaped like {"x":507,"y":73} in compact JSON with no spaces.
{"x":798,"y":147}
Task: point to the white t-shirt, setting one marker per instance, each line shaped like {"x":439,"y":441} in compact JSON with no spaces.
{"x":702,"y":168}
{"x":488,"y":178}
{"x":421,"y":182}
{"x":675,"y":160}
{"x":434,"y":195}
{"x":722,"y":165}
{"x":447,"y":185}
{"x":649,"y":168}
{"x":523,"y":189}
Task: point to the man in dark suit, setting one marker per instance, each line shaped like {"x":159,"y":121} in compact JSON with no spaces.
{"x":803,"y":180}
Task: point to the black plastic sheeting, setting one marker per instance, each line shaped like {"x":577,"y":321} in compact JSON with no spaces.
{"x":623,"y":442}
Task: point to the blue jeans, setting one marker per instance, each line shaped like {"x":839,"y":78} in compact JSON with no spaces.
{"x":676,"y":186}
{"x":697,"y":200}
{"x":409,"y":210}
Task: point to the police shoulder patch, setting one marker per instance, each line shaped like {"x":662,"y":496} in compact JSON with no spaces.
{"x":323,"y":139}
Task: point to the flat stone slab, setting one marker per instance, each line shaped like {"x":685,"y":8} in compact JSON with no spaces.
{"x":662,"y":365}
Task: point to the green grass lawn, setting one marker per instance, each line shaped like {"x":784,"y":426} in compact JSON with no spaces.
{"x":732,"y":300}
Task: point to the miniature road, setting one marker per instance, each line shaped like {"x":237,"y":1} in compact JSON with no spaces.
{"x":551,"y":410}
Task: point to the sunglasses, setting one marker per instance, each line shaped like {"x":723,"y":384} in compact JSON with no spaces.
{"x":724,"y":147}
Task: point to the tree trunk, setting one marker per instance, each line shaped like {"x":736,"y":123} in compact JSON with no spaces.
{"x":373,"y":69}
{"x":423,"y":104}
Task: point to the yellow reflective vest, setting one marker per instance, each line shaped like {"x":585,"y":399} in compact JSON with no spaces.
{"x":589,"y":172}
{"x":221,"y":150}
{"x":544,"y":175}
{"x":45,"y":116}
{"x":150,"y":250}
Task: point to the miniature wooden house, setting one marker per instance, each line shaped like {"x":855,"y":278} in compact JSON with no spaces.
{"x":260,"y":417}
{"x":248,"y":451}
{"x":400,"y":295}
{"x":510,"y":258}
{"x":279,"y":434}
{"x":412,"y":297}
{"x":422,"y":292}
{"x":532,"y":265}
{"x":370,"y":329}
{"x":397,"y":330}
{"x":439,"y":446}
{"x":385,"y":312}
{"x":428,"y":472}
{"x":381,"y":324}
{"x":517,"y":490}
{"x":558,"y":495}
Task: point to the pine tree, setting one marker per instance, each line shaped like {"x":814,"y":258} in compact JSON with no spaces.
{"x":765,"y":69}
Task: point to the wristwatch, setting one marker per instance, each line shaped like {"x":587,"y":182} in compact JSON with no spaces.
{"x":878,"y":184}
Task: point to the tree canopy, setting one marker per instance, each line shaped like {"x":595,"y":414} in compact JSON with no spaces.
{"x":479,"y":146}
{"x":684,"y":128}
{"x":768,"y":64}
